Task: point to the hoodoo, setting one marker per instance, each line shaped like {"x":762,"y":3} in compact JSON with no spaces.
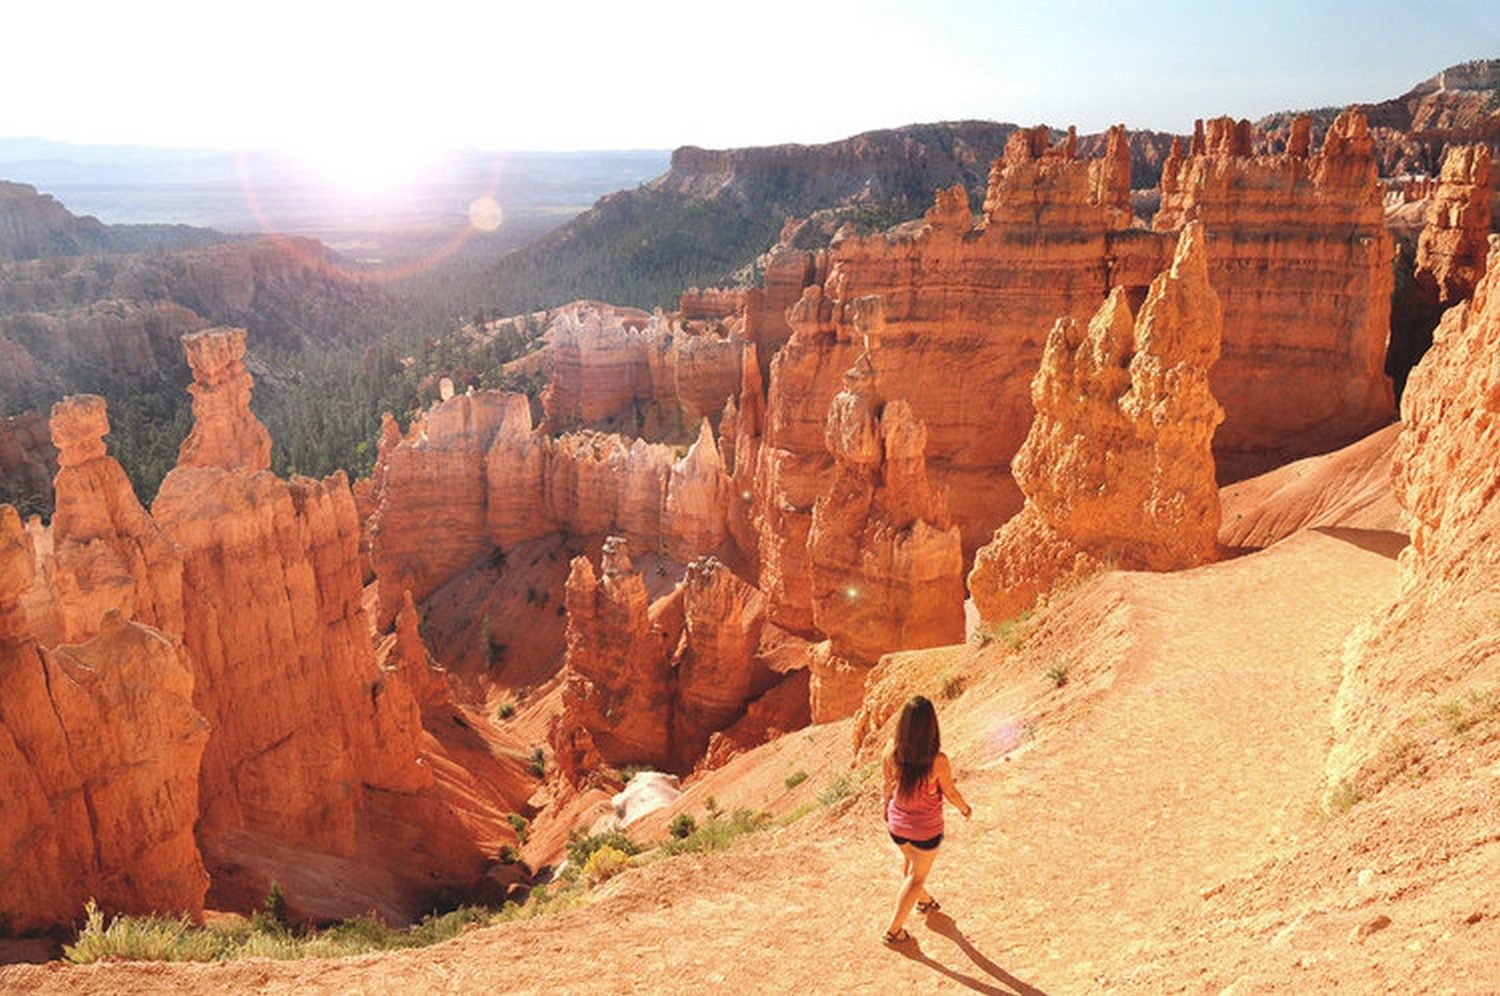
{"x":1118,"y":468}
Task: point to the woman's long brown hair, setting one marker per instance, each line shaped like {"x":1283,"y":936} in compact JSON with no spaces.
{"x":917,"y":743}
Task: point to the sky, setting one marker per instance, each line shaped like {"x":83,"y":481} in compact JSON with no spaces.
{"x":351,"y":80}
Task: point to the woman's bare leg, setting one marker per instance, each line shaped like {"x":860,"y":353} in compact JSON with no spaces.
{"x":923,"y":896}
{"x":918,"y":864}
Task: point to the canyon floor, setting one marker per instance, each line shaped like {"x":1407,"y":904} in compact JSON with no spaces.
{"x":1152,"y":824}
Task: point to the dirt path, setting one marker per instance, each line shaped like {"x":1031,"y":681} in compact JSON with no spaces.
{"x":1201,"y":755}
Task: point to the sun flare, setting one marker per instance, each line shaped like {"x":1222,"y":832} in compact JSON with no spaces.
{"x":365,"y":169}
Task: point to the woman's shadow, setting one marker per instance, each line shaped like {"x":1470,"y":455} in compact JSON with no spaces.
{"x":945,"y":926}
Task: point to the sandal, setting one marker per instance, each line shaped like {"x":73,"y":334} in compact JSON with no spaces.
{"x":930,"y":906}
{"x":898,"y":937}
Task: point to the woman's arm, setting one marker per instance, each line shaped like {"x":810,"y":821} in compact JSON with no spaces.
{"x":944,"y":772}
{"x":888,"y":786}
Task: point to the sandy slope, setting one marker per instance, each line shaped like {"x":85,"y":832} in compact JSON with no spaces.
{"x":1113,"y":845}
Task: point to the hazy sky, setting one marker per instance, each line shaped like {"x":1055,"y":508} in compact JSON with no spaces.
{"x":395,"y":78}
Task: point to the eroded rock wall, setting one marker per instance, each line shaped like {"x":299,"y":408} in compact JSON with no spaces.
{"x":1435,"y":651}
{"x":99,"y":755}
{"x":1117,"y":468}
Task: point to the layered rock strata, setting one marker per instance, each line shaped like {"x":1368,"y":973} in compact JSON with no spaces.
{"x":651,"y":684}
{"x":617,"y":695}
{"x":273,"y":615}
{"x":1117,"y":468}
{"x":473,"y":476}
{"x":621,"y":369}
{"x":1296,"y":250}
{"x":885,"y":560}
{"x":1451,"y":249}
{"x":99,"y":755}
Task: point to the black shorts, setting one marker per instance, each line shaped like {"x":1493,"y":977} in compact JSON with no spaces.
{"x":930,"y":844}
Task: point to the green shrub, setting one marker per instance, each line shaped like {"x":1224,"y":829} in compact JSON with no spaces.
{"x":1058,"y":674}
{"x":507,"y":710}
{"x":682,"y":825}
{"x":520,"y":824}
{"x":538,"y":764}
{"x":794,"y":779}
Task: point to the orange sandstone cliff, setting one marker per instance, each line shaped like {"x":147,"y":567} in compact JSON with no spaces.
{"x":1436,"y":650}
{"x":1117,"y":468}
{"x":1296,"y":250}
{"x":99,"y":755}
{"x":313,"y":769}
{"x":653,"y":684}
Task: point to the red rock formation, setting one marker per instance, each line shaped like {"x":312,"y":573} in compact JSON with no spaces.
{"x":652,"y":684}
{"x":1117,"y":468}
{"x":28,"y":460}
{"x":108,"y":555}
{"x":472,"y":475}
{"x":432,"y":515}
{"x":697,"y":500}
{"x":717,"y":670}
{"x":313,"y":763}
{"x":1452,"y":246}
{"x":779,"y":711}
{"x":619,"y":369}
{"x":411,"y":661}
{"x":1305,"y":317}
{"x":99,"y":753}
{"x":1436,"y":644}
{"x":1300,"y":258}
{"x":225,"y":434}
{"x":618,"y":687}
{"x":515,"y":466}
{"x":886,"y":562}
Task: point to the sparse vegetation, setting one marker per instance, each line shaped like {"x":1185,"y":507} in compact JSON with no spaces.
{"x":844,"y":784}
{"x":1058,"y":674}
{"x":508,"y":855}
{"x":794,"y":779}
{"x":582,"y":846}
{"x":1476,"y":714}
{"x":507,"y":709}
{"x":682,"y":825}
{"x":717,"y":833}
{"x":604,"y":864}
{"x":1343,"y":798}
{"x":520,"y":824}
{"x":951,"y":685}
{"x":538,"y":764}
{"x":261,"y":936}
{"x":1011,"y":632}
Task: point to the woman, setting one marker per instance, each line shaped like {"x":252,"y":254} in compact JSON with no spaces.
{"x":918,"y":778}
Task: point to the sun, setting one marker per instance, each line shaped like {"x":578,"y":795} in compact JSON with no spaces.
{"x":366,"y":169}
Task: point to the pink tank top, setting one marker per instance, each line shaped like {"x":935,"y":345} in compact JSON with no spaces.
{"x":918,"y":816}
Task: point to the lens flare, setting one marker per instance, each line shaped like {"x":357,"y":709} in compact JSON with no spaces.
{"x":485,"y":214}
{"x":1007,"y":735}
